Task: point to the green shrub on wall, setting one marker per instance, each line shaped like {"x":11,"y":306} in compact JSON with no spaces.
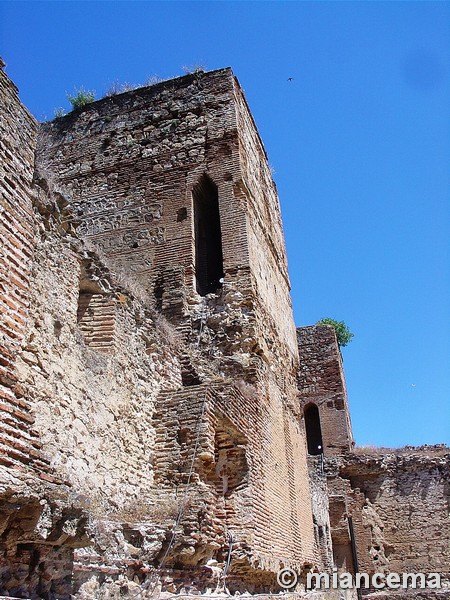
{"x":343,"y":334}
{"x":81,"y":98}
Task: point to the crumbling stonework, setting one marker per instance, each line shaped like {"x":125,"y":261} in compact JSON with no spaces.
{"x":133,"y":168}
{"x":157,"y":404}
{"x":405,"y":492}
{"x":156,"y":423}
{"x":40,"y":519}
{"x":388,"y":509}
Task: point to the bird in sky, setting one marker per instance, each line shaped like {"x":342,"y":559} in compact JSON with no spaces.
{"x":290,"y":78}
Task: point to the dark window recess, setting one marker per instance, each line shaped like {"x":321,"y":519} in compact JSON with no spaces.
{"x":313,"y":430}
{"x":208,"y":237}
{"x":158,"y":291}
{"x":182,"y":214}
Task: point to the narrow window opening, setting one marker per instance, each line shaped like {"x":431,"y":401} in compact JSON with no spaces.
{"x":182,"y":214}
{"x":158,"y":291}
{"x":313,"y":430}
{"x":208,"y":237}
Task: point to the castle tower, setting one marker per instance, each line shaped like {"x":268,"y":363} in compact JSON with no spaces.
{"x":180,"y":442}
{"x":322,"y":392}
{"x":171,"y":186}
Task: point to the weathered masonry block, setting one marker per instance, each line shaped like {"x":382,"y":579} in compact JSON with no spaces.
{"x":161,"y":201}
{"x":171,"y":187}
{"x":370,"y":505}
{"x":399,"y":500}
{"x":36,"y":542}
{"x":163,"y":177}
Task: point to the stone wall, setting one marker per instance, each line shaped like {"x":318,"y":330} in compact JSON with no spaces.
{"x":106,"y":378}
{"x":395,"y":506}
{"x":130,"y":164}
{"x":114,"y":390}
{"x":401,"y":501}
{"x":388,"y":509}
{"x":131,"y":167}
{"x":152,"y":402}
{"x":321,"y":512}
{"x":18,"y":443}
{"x":40,"y":519}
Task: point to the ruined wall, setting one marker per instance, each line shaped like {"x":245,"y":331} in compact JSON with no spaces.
{"x":105,"y":376}
{"x":131,"y":162}
{"x":265,"y":241}
{"x":130,"y":166}
{"x":19,"y":446}
{"x":321,"y":382}
{"x":321,"y":512}
{"x":40,"y":520}
{"x":141,"y":450}
{"x":403,"y":516}
{"x":388,"y":509}
{"x":395,"y":505}
{"x":75,"y":415}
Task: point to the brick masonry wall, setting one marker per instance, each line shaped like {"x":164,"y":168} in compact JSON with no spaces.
{"x":321,"y":381}
{"x":39,"y":522}
{"x":19,"y":446}
{"x":98,"y":388}
{"x":130,"y":163}
{"x":266,"y":245}
{"x":127,"y":166}
{"x":96,"y":317}
{"x":99,"y":434}
{"x":232,"y":483}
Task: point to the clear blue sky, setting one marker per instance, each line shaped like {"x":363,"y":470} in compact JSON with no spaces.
{"x":359,"y":142}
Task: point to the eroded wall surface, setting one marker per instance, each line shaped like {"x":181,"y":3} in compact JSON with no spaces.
{"x":150,"y":424}
{"x":402,"y":509}
{"x":17,"y":143}
{"x":388,"y":510}
{"x":321,"y":382}
{"x":40,"y":520}
{"x":192,"y":423}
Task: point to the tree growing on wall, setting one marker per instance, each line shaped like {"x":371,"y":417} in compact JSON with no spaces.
{"x":343,"y":334}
